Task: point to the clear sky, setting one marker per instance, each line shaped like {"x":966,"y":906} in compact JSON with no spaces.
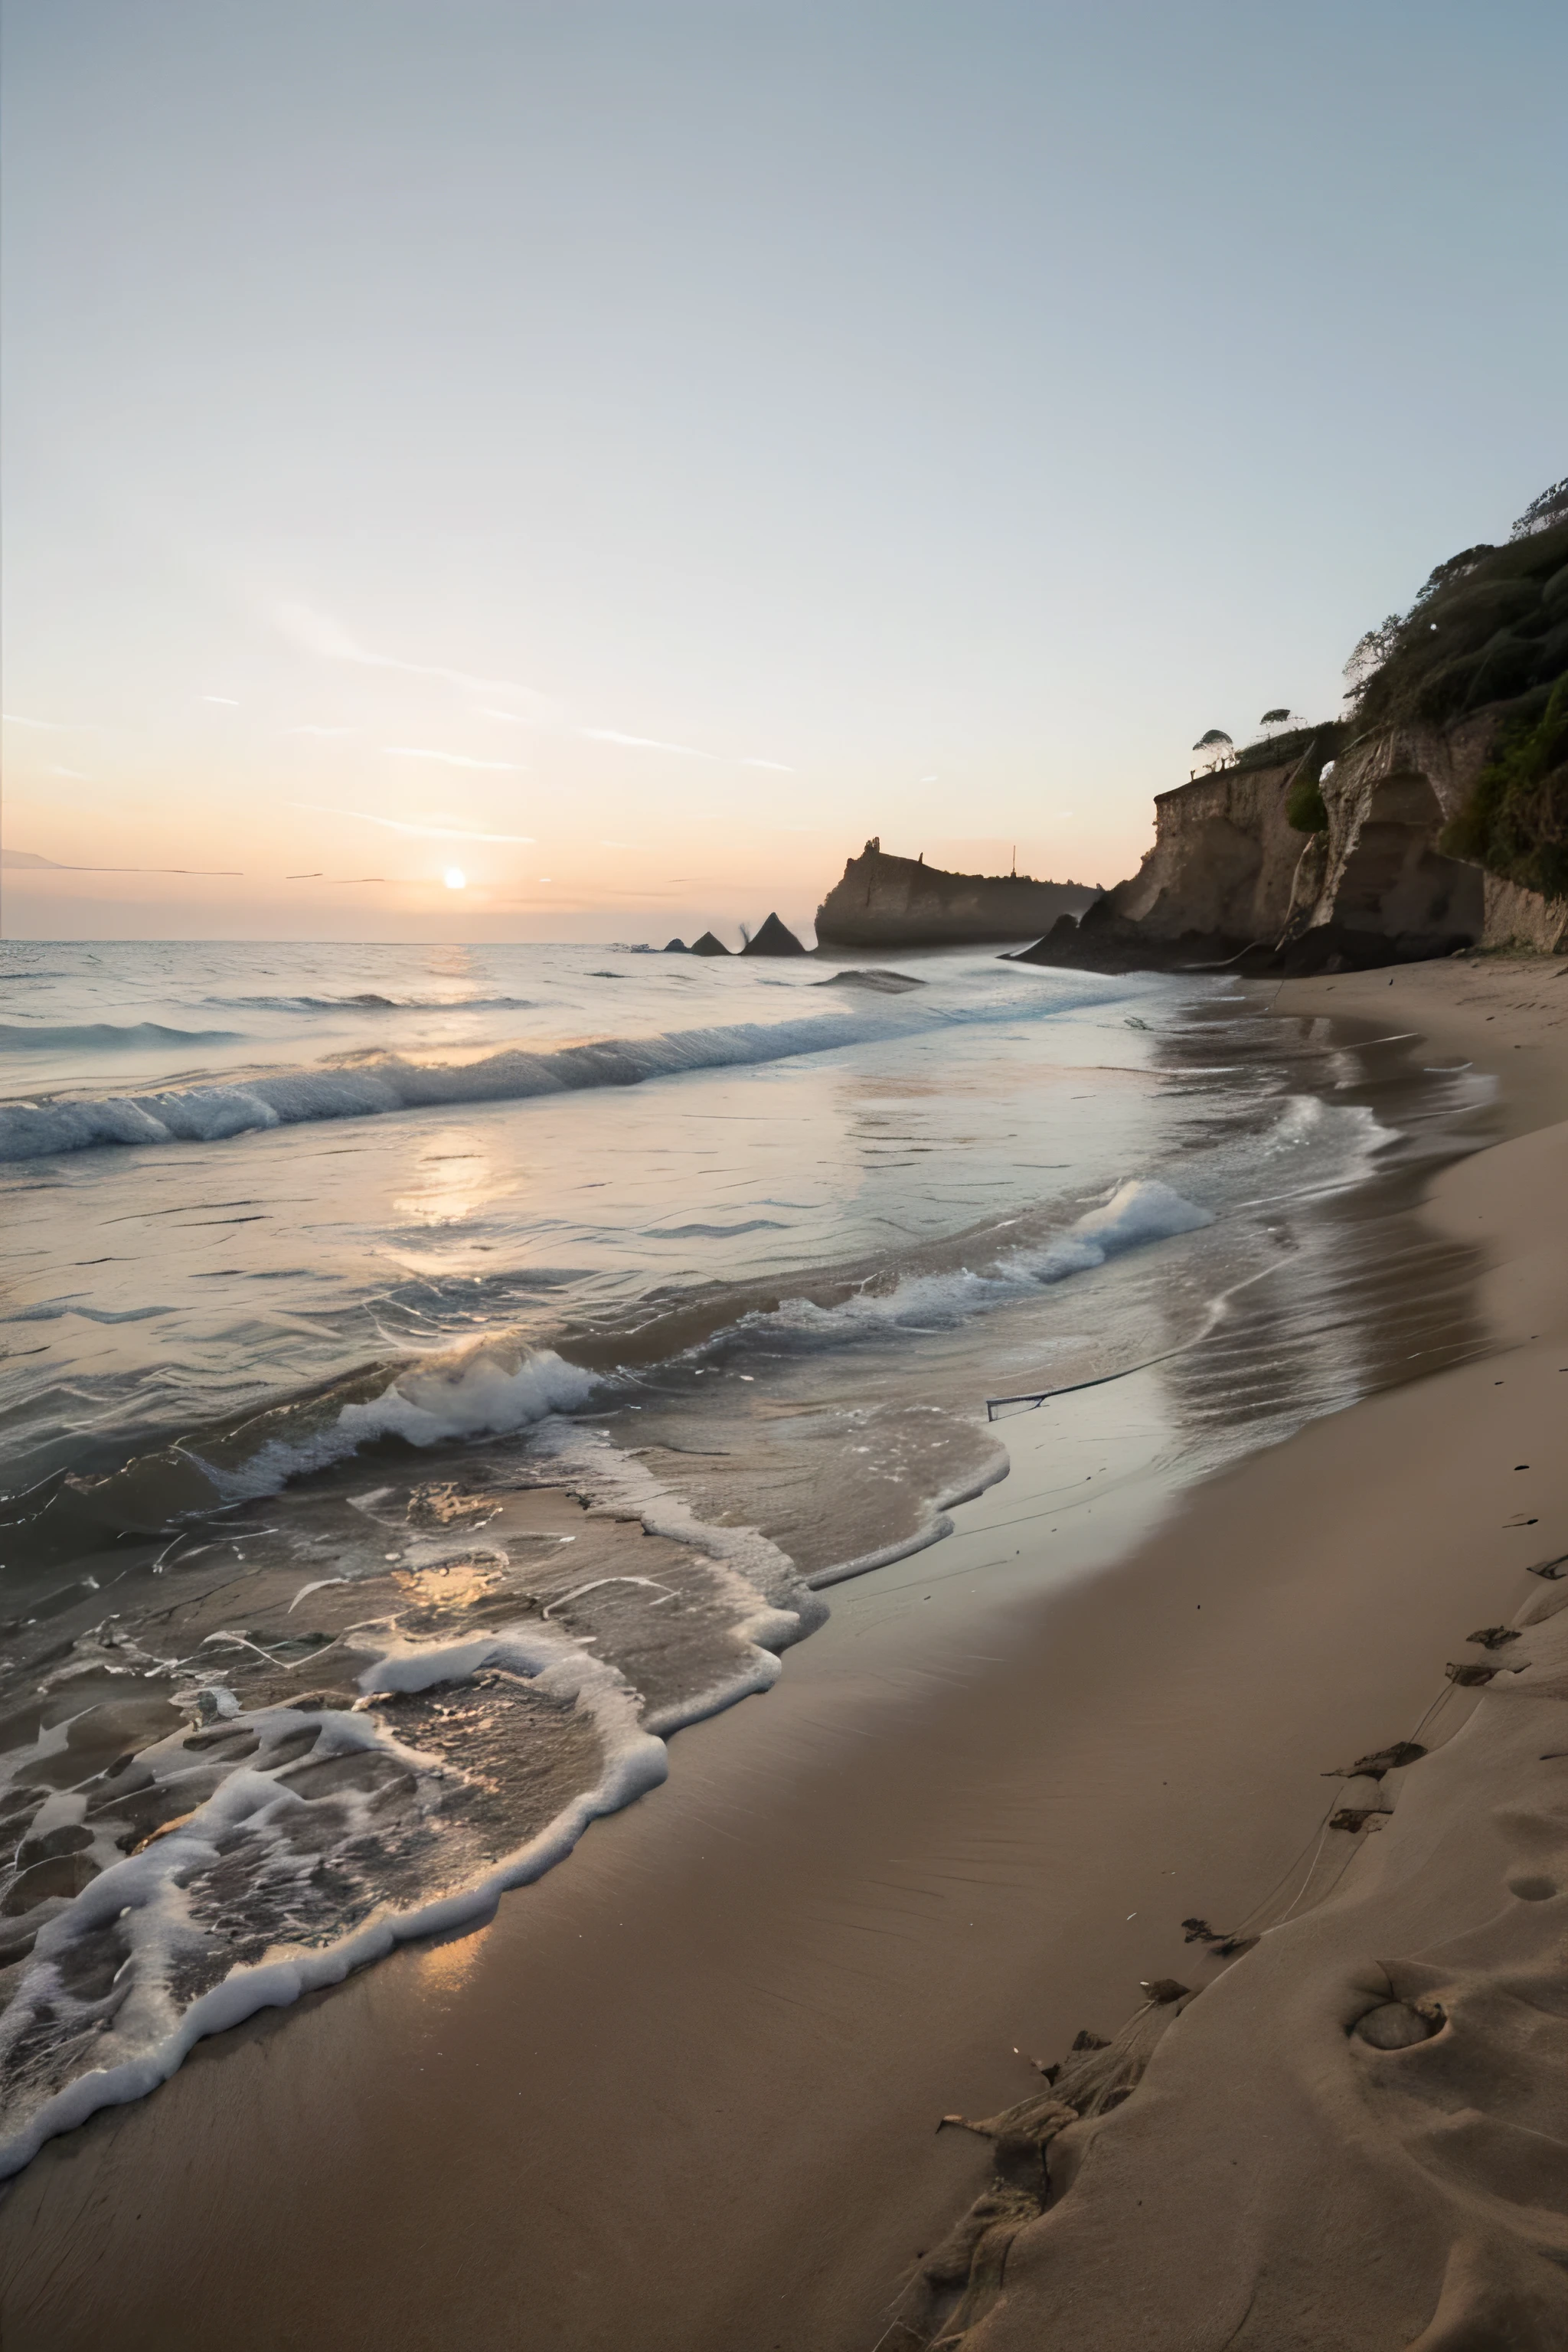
{"x":628,"y":451}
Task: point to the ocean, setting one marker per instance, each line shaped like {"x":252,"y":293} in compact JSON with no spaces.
{"x":430,"y":1376}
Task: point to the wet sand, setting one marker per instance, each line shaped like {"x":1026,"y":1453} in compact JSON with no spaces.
{"x":683,"y":2091}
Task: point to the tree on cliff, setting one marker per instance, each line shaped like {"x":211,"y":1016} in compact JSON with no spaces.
{"x":1218,"y":744}
{"x":1370,"y":652}
{"x":1490,"y":626}
{"x":1544,"y":512}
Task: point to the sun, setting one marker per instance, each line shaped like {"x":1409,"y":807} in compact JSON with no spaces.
{"x":454,"y":878}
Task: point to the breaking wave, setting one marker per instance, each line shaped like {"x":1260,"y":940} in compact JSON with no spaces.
{"x":1142,"y":1210}
{"x":487,"y":1389}
{"x":370,"y":1087}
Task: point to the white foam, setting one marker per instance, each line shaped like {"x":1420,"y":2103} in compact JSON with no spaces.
{"x":773,"y":1608}
{"x":1141,"y":1211}
{"x":150,"y":2034}
{"x":486,"y":1388}
{"x":936,"y":1524}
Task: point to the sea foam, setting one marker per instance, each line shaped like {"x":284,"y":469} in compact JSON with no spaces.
{"x":1141,"y":1211}
{"x":308,"y":1839}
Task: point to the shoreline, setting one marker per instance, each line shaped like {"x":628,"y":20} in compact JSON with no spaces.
{"x":556,"y":2129}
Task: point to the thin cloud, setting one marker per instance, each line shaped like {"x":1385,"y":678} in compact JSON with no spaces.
{"x":683,"y":751}
{"x":643,"y":742}
{"x":446,"y":758}
{"x":51,"y":726}
{"x":226,"y":699}
{"x":318,"y":634}
{"x":400,"y":824}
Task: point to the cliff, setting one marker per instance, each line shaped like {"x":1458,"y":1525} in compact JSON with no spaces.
{"x":1223,"y":860}
{"x":1378,"y":868}
{"x":1231,"y":879}
{"x":1442,"y":824}
{"x":900,"y":902}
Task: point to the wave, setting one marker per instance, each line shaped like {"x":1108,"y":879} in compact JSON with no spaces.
{"x":717,"y":1233}
{"x":373,"y":1086}
{"x":367,"y":1001}
{"x":498,"y":1382}
{"x":106,"y":1037}
{"x":1139,"y":1211}
{"x":488,"y":1387}
{"x":278,"y":1838}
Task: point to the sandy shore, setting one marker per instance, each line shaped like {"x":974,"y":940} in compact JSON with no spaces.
{"x":682,"y":2094}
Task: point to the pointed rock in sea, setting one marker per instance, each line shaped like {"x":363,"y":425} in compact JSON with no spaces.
{"x":773,"y":940}
{"x":708,"y":945}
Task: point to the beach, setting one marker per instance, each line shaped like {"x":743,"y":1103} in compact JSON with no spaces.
{"x":684,"y":2090}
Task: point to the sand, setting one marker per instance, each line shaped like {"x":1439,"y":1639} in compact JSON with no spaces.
{"x":684,"y":2092}
{"x":1509,"y":1014}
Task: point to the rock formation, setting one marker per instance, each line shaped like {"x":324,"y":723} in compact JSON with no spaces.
{"x":1377,"y":870}
{"x":676,"y":947}
{"x":901,"y":902}
{"x":1442,"y":824}
{"x":1231,"y":879}
{"x":709,"y":946}
{"x":773,"y":940}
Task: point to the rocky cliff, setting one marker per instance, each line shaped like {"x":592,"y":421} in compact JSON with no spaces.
{"x":900,"y":902}
{"x":1440,"y":823}
{"x":1224,"y":861}
{"x":1377,"y":868}
{"x":1230,"y":877}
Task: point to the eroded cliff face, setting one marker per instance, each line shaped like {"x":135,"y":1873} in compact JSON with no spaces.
{"x":894,"y":902}
{"x":1223,"y":860}
{"x":1378,"y":868}
{"x":1230,"y":879}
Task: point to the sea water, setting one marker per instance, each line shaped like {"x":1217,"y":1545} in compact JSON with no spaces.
{"x":431,"y":1376}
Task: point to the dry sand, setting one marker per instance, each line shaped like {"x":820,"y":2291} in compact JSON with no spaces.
{"x":682,"y":2094}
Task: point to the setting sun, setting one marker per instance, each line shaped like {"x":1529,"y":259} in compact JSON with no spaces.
{"x":454,"y":878}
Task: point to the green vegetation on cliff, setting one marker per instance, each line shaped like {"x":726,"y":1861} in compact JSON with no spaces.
{"x":1284,"y":750}
{"x":1305,"y":806}
{"x":1305,"y":753}
{"x":1491,"y":624}
{"x":1516,"y":821}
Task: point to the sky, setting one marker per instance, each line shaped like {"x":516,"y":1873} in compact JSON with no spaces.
{"x":492,"y":470}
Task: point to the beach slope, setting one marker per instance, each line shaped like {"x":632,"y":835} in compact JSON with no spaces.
{"x":683,"y":2093}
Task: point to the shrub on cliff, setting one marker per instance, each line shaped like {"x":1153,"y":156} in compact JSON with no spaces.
{"x":1515,"y":823}
{"x":1490,"y":624}
{"x":1305,"y":806}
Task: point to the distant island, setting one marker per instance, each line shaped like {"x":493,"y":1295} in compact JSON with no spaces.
{"x":903,"y":902}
